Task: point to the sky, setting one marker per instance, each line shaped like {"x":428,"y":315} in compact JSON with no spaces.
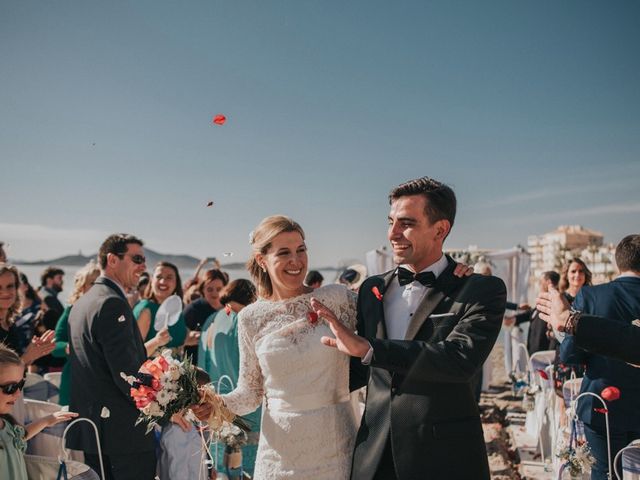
{"x":530,"y":110}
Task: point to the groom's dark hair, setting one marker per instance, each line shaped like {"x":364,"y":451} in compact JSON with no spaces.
{"x":441,"y":201}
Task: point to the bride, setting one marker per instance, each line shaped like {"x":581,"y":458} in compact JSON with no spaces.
{"x":308,"y":425}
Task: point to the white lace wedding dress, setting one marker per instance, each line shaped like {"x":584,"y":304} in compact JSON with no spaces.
{"x":308,"y":425}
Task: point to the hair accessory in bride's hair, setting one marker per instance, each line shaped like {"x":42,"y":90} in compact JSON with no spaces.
{"x":251,"y":237}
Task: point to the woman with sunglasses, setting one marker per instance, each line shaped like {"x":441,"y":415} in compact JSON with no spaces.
{"x":13,"y":437}
{"x":9,"y":309}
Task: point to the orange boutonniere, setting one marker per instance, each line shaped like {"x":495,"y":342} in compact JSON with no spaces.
{"x":377,"y":293}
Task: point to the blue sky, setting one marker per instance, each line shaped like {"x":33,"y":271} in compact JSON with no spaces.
{"x":530,"y":110}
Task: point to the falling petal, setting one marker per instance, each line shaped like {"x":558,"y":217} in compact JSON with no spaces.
{"x":228,"y":254}
{"x":105,"y":413}
{"x":313,"y":317}
{"x":543,"y":374}
{"x":219,"y":119}
{"x":209,"y":204}
{"x":601,"y":410}
{"x":227,"y":309}
{"x":610,"y":394}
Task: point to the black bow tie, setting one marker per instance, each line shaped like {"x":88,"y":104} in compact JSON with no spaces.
{"x":428,"y":279}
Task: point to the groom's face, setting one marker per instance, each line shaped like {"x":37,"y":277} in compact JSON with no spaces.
{"x":415,"y":240}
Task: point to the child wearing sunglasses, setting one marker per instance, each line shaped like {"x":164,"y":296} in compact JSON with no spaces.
{"x":13,"y":437}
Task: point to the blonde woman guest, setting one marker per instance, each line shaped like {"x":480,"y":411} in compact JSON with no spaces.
{"x":82,"y":282}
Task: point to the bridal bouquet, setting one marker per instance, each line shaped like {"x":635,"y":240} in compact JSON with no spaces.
{"x":165,"y":386}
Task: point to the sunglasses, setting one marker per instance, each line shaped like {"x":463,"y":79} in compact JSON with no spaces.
{"x":137,"y":259}
{"x":11,"y":388}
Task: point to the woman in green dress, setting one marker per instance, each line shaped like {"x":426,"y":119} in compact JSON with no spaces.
{"x":219,"y":355}
{"x":165,"y":281}
{"x":82,"y":282}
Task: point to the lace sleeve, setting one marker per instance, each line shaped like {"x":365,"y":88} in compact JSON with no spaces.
{"x":247,"y":396}
{"x":349,"y":316}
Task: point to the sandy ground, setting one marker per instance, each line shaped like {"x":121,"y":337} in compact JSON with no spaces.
{"x":503,"y":460}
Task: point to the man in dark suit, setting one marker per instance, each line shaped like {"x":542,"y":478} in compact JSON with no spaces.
{"x":423,"y":333}
{"x":620,"y":300}
{"x":105,"y":341}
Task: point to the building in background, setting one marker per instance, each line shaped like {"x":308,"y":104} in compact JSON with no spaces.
{"x":551,"y":250}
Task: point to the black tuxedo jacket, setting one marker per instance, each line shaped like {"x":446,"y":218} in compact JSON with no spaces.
{"x":419,"y":394}
{"x":104,"y":340}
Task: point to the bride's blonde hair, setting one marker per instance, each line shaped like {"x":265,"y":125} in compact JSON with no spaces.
{"x":260,"y":240}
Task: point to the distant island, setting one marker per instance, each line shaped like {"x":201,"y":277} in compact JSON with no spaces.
{"x":183,"y":262}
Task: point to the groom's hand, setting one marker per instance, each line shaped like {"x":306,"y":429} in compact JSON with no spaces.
{"x":346,"y":341}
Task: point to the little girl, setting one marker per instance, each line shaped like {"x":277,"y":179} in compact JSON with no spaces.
{"x":13,"y":437}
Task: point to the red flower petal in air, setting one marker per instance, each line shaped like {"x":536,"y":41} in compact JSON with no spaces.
{"x":601,"y":410}
{"x":610,"y":394}
{"x":377,"y":293}
{"x":543,"y":374}
{"x":209,"y":204}
{"x":219,"y":119}
{"x":227,"y":309}
{"x":313,"y":317}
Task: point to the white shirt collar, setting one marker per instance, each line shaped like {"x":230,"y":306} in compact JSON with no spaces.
{"x":437,"y":268}
{"x":117,"y":284}
{"x":629,"y":274}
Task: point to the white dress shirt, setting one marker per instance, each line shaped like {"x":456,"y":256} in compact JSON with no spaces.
{"x":402,"y":301}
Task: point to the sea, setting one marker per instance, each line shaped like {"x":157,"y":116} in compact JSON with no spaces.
{"x":33,"y":273}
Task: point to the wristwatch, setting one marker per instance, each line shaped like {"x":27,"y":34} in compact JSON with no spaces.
{"x":571,"y":325}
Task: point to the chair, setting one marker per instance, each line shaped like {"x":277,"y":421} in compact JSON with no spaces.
{"x":46,"y":468}
{"x":630,"y":462}
{"x":37,"y":387}
{"x":53,"y":379}
{"x":47,"y":442}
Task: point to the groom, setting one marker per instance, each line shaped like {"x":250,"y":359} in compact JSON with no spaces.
{"x":423,"y":333}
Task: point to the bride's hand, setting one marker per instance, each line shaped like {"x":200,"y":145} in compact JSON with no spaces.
{"x":346,"y":341}
{"x":202,"y":411}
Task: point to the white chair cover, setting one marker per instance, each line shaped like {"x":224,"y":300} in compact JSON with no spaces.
{"x":37,"y":388}
{"x":47,"y":442}
{"x":631,"y":463}
{"x":46,"y":468}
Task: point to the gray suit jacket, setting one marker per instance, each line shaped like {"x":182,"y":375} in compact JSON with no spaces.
{"x":104,"y":340}
{"x":419,"y":395}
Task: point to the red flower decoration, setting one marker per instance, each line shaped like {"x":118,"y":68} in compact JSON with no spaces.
{"x":155,"y":384}
{"x":610,"y":394}
{"x":601,"y":410}
{"x":227,"y":309}
{"x":377,"y":293}
{"x":313,"y":317}
{"x":543,"y":374}
{"x":219,"y":119}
